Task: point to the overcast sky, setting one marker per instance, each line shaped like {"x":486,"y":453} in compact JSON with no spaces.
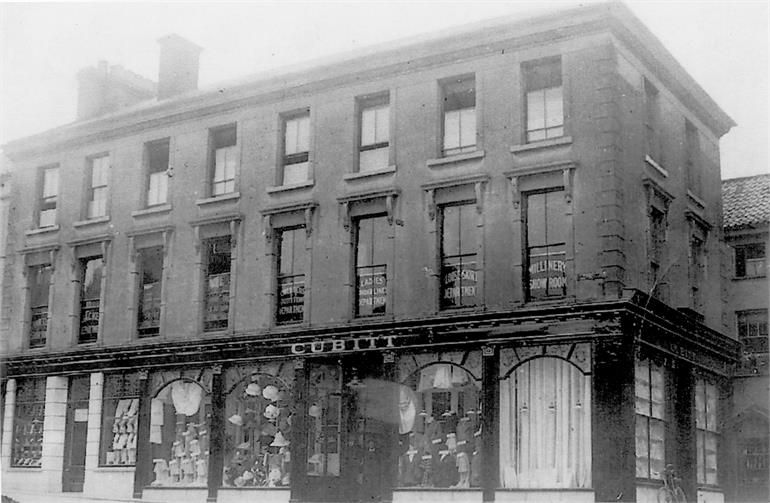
{"x":723,"y":44}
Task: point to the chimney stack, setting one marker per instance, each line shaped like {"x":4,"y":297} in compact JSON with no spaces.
{"x":178,"y":69}
{"x":107,"y":88}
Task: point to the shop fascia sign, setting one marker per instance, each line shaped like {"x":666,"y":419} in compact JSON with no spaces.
{"x":343,"y":345}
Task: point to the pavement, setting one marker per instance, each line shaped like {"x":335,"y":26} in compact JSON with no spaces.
{"x":31,"y":497}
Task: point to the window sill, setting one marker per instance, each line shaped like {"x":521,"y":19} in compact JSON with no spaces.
{"x":91,"y":221}
{"x":742,"y":278}
{"x":224,"y":198}
{"x":651,"y":162}
{"x":286,"y":188}
{"x":115,"y":469}
{"x":42,"y":230}
{"x":21,"y":469}
{"x":454,"y":159}
{"x":151,"y":210}
{"x":649,"y":482}
{"x":551,"y":142}
{"x":366,"y":174}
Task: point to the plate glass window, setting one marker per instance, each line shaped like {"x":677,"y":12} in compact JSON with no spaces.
{"x":150,"y":283}
{"x":652,"y":121}
{"x":217,"y":283}
{"x":120,"y":415}
{"x":750,"y":260}
{"x":49,"y":192}
{"x":296,"y":149}
{"x":459,"y":116}
{"x":650,"y":406}
{"x":224,"y":157}
{"x":375,"y":134}
{"x":544,"y":100}
{"x":292,"y":267}
{"x":39,"y":287}
{"x":371,"y":237}
{"x":706,"y":406}
{"x":459,"y":248}
{"x":546,"y":245}
{"x":91,"y":270}
{"x":28,"y":418}
{"x":97,"y":192}
{"x":157,"y":172}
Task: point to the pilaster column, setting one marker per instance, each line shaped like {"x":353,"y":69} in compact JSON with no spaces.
{"x":143,"y":454}
{"x":9,"y":412}
{"x":217,"y":433}
{"x":489,"y":422}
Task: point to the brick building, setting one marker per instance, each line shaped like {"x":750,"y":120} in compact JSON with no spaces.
{"x":746,"y":225}
{"x":478,"y":267}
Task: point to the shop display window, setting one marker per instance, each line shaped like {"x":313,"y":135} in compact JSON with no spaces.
{"x":440,"y":428}
{"x":27,"y":448}
{"x":545,"y":426}
{"x":180,"y":418}
{"x":259,"y":410}
{"x":120,"y":414}
{"x":324,"y":421}
{"x":650,"y":406}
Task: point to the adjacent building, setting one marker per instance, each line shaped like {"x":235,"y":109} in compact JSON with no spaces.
{"x":483,"y":266}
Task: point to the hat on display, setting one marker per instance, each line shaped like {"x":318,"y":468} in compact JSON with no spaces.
{"x":279,"y":441}
{"x":236,"y":420}
{"x":271,"y":412}
{"x":423,"y":413}
{"x":270,"y":392}
{"x":447,"y":413}
{"x":253,"y":389}
{"x":247,"y":475}
{"x":268,"y":430}
{"x":314,"y":411}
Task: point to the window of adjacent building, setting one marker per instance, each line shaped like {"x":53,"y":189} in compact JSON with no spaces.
{"x":217,"y":283}
{"x":459,"y":116}
{"x":371,"y":236}
{"x":39,"y":287}
{"x":657,"y":243}
{"x":224,"y":157}
{"x":707,"y":431}
{"x":652,"y":120}
{"x":546,"y":245}
{"x":292,"y":267}
{"x":259,"y":408}
{"x":49,"y":194}
{"x":374,"y":120}
{"x":28,"y":417}
{"x":545,"y":426}
{"x":120,"y":413}
{"x":650,"y":406}
{"x":91,"y":271}
{"x":752,"y":330}
{"x":150,"y":283}
{"x":99,"y":168}
{"x":692,"y":163}
{"x":438,"y":418}
{"x":459,"y":259}
{"x":157,"y":172}
{"x":697,"y":270}
{"x":544,"y":99}
{"x":750,"y":260}
{"x":296,"y":149}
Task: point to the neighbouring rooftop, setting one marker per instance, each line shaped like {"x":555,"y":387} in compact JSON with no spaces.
{"x":746,"y":201}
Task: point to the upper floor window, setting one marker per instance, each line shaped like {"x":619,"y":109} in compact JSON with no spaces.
{"x":296,"y":149}
{"x":546,"y":238}
{"x":99,"y":168}
{"x":224,"y":157}
{"x":157,"y":172}
{"x":292,"y":267}
{"x":697,"y":270}
{"x":39,"y":288}
{"x":459,"y":256}
{"x":28,"y":420}
{"x":707,"y":426}
{"x":150,"y":284}
{"x":217,"y":283}
{"x":371,"y":235}
{"x":49,"y":194}
{"x":652,"y":120}
{"x":91,"y":272}
{"x":374,"y":120}
{"x":752,"y":330}
{"x":657,"y":244}
{"x":545,"y":100}
{"x":650,"y":406}
{"x":750,"y":260}
{"x":692,"y":154}
{"x":459,"y":116}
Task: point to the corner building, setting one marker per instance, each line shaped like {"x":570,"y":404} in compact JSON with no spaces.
{"x":479,"y":267}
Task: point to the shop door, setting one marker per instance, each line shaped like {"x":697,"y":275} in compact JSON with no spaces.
{"x":76,"y":428}
{"x":347,"y":425}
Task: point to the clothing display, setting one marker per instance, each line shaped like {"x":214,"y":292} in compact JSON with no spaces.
{"x":122,"y":451}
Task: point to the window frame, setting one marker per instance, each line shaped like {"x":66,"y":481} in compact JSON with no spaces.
{"x":92,"y":190}
{"x":741,"y":260}
{"x":207,"y":325}
{"x":279,"y":240}
{"x":661,"y":419}
{"x":703,"y":432}
{"x":46,"y":201}
{"x":760,"y":321}
{"x":652,"y":122}
{"x":140,"y":262}
{"x":36,"y":389}
{"x":468,"y":205}
{"x":82,"y":272}
{"x":526,"y":258}
{"x":447,"y":94}
{"x":108,"y":419}
{"x":383,"y":267}
{"x":150,"y":171}
{"x":230,"y":148}
{"x":32,"y":272}
{"x":528,"y":70}
{"x":298,"y":157}
{"x":376,"y":103}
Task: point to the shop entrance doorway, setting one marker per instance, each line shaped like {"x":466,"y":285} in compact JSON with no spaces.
{"x":349,"y":420}
{"x":76,"y":429}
